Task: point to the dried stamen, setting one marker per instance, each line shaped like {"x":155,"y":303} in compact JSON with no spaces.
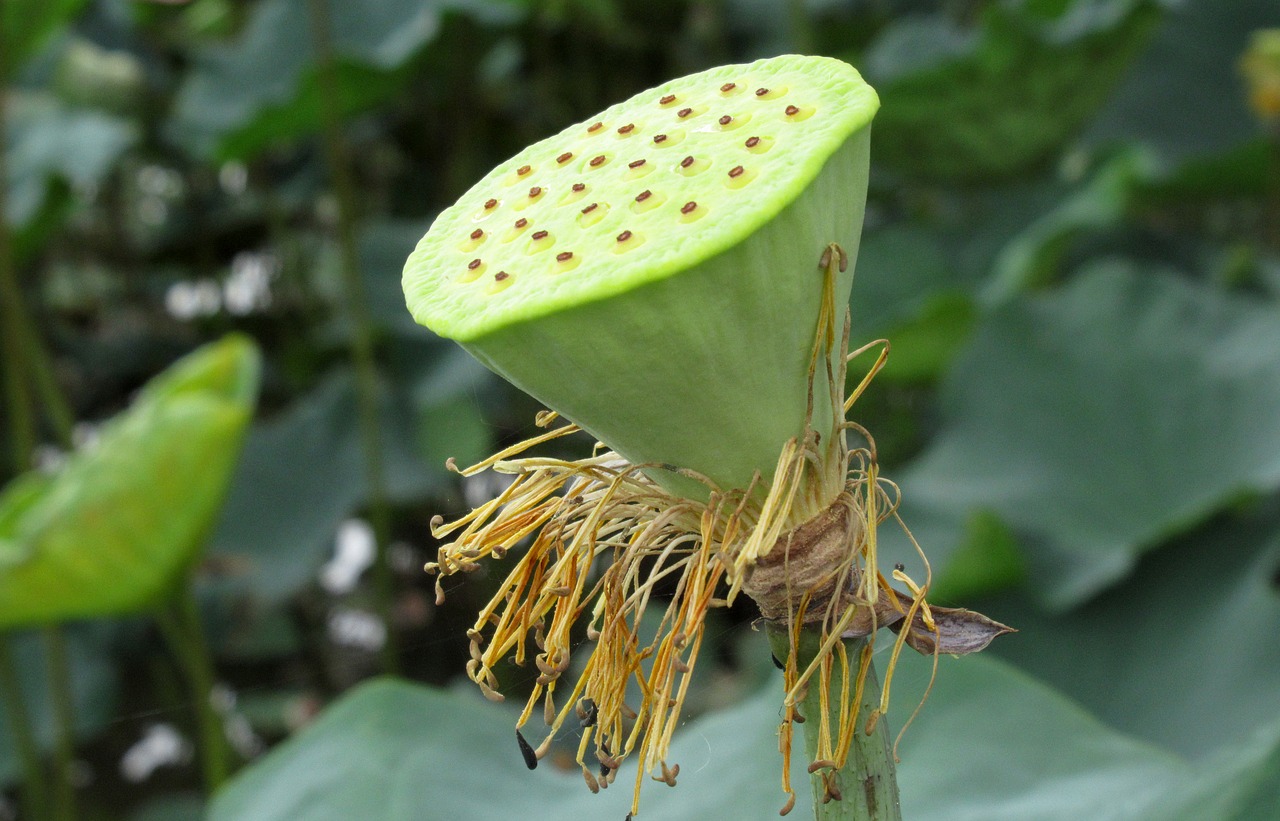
{"x":688,"y":207}
{"x":596,"y":160}
{"x":501,"y":275}
{"x":535,"y":192}
{"x":736,"y":171}
{"x":760,"y":92}
{"x":752,"y":142}
{"x":792,"y":111}
{"x":578,"y":186}
{"x":538,"y":235}
{"x":477,"y":234}
{"x":626,"y":129}
{"x":624,"y":236}
{"x":644,"y":195}
{"x":727,"y":87}
{"x":522,"y":170}
{"x":725,"y":120}
{"x":684,"y":112}
{"x":594,"y":127}
{"x":490,"y":204}
{"x":474,"y":264}
{"x":593,"y":206}
{"x":659,"y":138}
{"x":667,"y":100}
{"x":564,"y":256}
{"x":635,"y":163}
{"x":565,"y":157}
{"x":686,"y":162}
{"x":522,"y":222}
{"x":530,"y":757}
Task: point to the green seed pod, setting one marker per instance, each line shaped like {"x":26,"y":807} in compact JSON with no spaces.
{"x":653,"y":273}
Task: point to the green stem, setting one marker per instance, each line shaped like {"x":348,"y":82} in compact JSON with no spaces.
{"x":59,"y":671}
{"x":179,"y":623}
{"x":35,"y":793}
{"x":868,"y":782}
{"x":337,"y":159}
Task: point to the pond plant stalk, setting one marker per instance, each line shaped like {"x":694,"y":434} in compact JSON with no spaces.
{"x":338,"y":161}
{"x":23,"y":361}
{"x":672,"y":276}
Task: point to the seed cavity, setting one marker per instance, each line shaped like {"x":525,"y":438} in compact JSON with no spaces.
{"x":475,"y":269}
{"x":797,"y":113}
{"x":565,"y":157}
{"x":566,"y":261}
{"x":730,"y":122}
{"x":627,"y":241}
{"x":691,"y":166}
{"x":539,"y":241}
{"x":576,"y":192}
{"x":637,"y":169}
{"x":692,"y":212}
{"x":739,"y":176}
{"x":592,"y":214}
{"x":771,"y":93}
{"x":516,"y":229}
{"x":668,"y":138}
{"x":501,"y":281}
{"x":646,"y":201}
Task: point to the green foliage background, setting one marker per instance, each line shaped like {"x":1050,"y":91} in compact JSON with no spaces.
{"x":1073,"y":243}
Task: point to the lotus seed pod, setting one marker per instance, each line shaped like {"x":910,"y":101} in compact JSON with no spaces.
{"x":653,"y":272}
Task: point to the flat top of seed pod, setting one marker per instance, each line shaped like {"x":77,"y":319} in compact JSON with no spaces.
{"x":644,"y":190}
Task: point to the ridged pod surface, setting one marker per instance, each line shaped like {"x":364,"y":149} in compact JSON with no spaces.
{"x":652,"y":273}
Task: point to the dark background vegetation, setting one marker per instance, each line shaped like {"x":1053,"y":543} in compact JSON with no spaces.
{"x":1072,"y":241}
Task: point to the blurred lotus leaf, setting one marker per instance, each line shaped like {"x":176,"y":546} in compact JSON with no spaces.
{"x":109,"y":532}
{"x":967,"y":103}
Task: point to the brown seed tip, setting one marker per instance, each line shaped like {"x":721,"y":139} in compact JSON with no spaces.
{"x":760,"y":92}
{"x":684,"y":112}
{"x":477,"y":234}
{"x":626,"y":129}
{"x":594,"y":127}
{"x":792,"y":111}
{"x":688,"y":207}
{"x":668,"y":100}
{"x":644,"y":195}
{"x":736,"y":171}
{"x":490,"y":204}
{"x":565,"y":157}
{"x":522,"y":170}
{"x":564,"y":256}
{"x":725,"y":120}
{"x":501,"y":275}
{"x":659,"y":138}
{"x":593,"y":206}
{"x":539,"y":235}
{"x":686,"y":162}
{"x":473,"y":264}
{"x":596,"y":160}
{"x":578,"y":186}
{"x":635,"y":163}
{"x":728,"y":86}
{"x":752,"y":142}
{"x":522,"y":222}
{"x":624,"y":236}
{"x":535,"y":192}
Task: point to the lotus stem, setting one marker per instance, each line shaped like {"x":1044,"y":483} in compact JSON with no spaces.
{"x":179,"y":623}
{"x":35,"y":792}
{"x":59,"y":671}
{"x":866,"y":788}
{"x":337,"y":160}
